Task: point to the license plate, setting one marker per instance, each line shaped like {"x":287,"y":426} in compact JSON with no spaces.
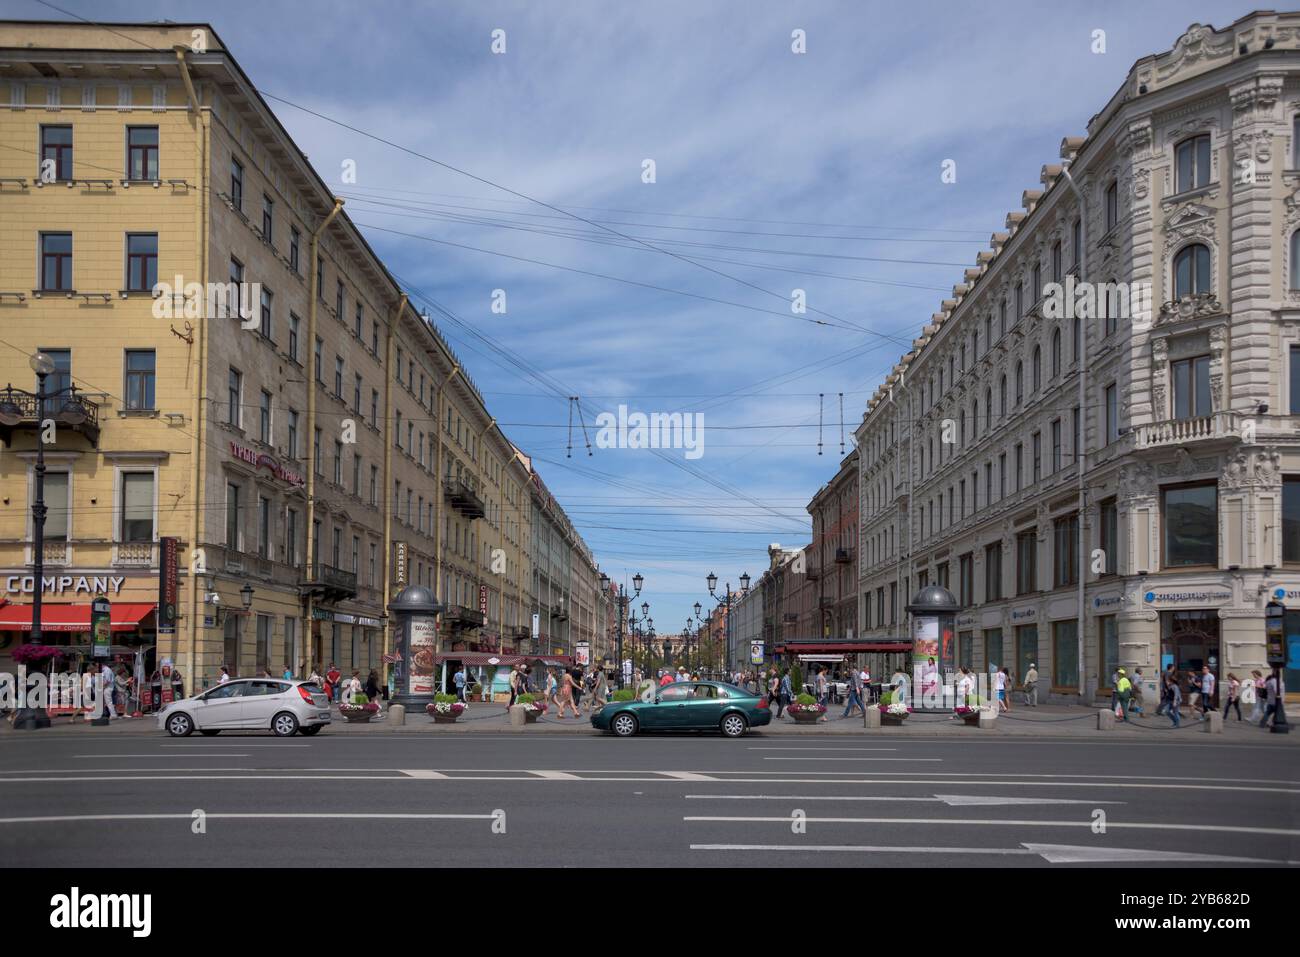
{"x":323,"y":715}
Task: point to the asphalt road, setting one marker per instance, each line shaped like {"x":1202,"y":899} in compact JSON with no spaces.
{"x":503,"y":799}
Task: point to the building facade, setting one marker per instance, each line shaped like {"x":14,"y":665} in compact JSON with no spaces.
{"x":252,"y":381}
{"x":1103,"y":475}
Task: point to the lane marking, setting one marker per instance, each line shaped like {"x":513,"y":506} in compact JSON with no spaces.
{"x":952,"y":800}
{"x":681,"y":776}
{"x":821,"y":749}
{"x":1130,"y":825}
{"x":848,"y":759}
{"x":1053,"y":853}
{"x":113,"y":757}
{"x":556,"y":776}
{"x":426,"y":775}
{"x":254,"y":816}
{"x":241,"y":744}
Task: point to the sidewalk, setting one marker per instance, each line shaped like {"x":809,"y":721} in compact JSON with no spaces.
{"x":1045,"y":721}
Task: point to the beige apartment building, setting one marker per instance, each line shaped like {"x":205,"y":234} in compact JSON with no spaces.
{"x":309,"y":440}
{"x":1118,"y":489}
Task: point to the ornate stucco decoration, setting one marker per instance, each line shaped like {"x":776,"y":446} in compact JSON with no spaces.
{"x":1190,"y":221}
{"x":1199,"y":46}
{"x":1137,"y":482}
{"x":1185,"y":466}
{"x":1202,"y":305}
{"x":1261,"y":468}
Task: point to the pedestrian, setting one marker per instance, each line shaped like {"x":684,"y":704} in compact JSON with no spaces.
{"x":773,"y":689}
{"x":599,"y":689}
{"x":1000,"y":686}
{"x":1273,"y":691}
{"x":1031,"y":686}
{"x":122,"y":685}
{"x":965,"y":685}
{"x":351,"y":688}
{"x":666,"y":678}
{"x":681,"y":674}
{"x":332,"y":678}
{"x":552,"y":686}
{"x":1136,"y":702}
{"x":313,"y":678}
{"x":1250,"y":689}
{"x":1194,"y":690}
{"x":107,"y":684}
{"x":1234,"y":696}
{"x":225,"y":675}
{"x":1207,"y":690}
{"x":372,"y":689}
{"x":1168,"y":679}
{"x":575,"y":678}
{"x":784,"y":694}
{"x":1124,"y":689}
{"x":565,"y":698}
{"x":823,"y":687}
{"x":458,"y":679}
{"x":1175,"y":700}
{"x":287,"y":674}
{"x":855,"y":695}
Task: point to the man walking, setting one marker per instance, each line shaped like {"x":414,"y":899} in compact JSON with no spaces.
{"x":459,"y":679}
{"x":1136,"y":705}
{"x":1207,"y":690}
{"x":823,"y":690}
{"x":1124,"y":689}
{"x":855,"y":695}
{"x":784,"y":695}
{"x":1031,"y":686}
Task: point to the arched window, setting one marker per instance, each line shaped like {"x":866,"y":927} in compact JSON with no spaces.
{"x":1056,"y":352}
{"x":1078,"y":339}
{"x":988,"y":406}
{"x":1192,"y":270}
{"x":1002,"y":397}
{"x":975,"y":419}
{"x":1020,"y":383}
{"x":988,"y":330}
{"x":1295,"y":259}
{"x":1038,"y":369}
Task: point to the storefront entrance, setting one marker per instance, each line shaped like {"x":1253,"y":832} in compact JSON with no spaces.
{"x":1189,"y":640}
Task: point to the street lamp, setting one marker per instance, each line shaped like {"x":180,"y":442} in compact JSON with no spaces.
{"x":725,"y":600}
{"x":246,"y":596}
{"x":623,"y":600}
{"x":43,"y":366}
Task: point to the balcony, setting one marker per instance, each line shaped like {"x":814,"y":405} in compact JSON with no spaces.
{"x":56,"y":553}
{"x":458,"y":616}
{"x":825,"y":601}
{"x":135,"y":554}
{"x":558,"y":611}
{"x":843,"y":556}
{"x":1178,"y":432}
{"x":22,"y":410}
{"x":464,"y":498}
{"x":813,"y":572}
{"x":328,"y":583}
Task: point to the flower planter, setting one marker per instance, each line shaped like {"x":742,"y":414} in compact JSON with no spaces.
{"x":531,"y":716}
{"x":805,"y":717}
{"x":445,"y":718}
{"x":894,"y":720}
{"x":358,"y":717}
{"x":970,"y":718}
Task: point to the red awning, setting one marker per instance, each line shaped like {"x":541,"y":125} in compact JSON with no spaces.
{"x":840,"y":647}
{"x":76,"y":618}
{"x":478,"y":658}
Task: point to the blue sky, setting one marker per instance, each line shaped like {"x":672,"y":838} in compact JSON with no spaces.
{"x":818,"y":171}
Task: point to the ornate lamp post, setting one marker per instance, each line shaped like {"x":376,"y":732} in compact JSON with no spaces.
{"x":623,"y":599}
{"x":725,"y":600}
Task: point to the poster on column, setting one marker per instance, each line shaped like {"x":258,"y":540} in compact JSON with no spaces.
{"x":925,"y":653}
{"x":421,"y":642}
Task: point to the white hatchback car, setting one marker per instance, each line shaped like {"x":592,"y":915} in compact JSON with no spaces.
{"x":250,"y":704}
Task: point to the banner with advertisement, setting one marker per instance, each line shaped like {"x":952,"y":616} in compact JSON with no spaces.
{"x":421,"y":645}
{"x":167,"y":585}
{"x":582,"y":654}
{"x":756,"y":652}
{"x":925,"y":654}
{"x":101,"y":627}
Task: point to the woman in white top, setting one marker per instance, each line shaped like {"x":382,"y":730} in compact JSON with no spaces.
{"x":1250,"y":695}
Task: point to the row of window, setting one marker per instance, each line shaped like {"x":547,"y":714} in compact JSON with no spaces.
{"x":56,"y":153}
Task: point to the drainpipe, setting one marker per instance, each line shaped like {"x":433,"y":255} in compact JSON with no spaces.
{"x":1078,"y":439}
{"x":389,"y":364}
{"x":313,"y":294}
{"x":197,"y":443}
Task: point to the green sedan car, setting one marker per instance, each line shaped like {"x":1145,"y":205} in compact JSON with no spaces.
{"x":687,"y":706}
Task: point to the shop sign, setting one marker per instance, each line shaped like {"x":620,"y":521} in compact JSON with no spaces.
{"x":348,"y":619}
{"x":322,"y":614}
{"x":1107,"y":601}
{"x":1187,"y":597}
{"x":263,"y":461}
{"x":59,"y":584}
{"x":1024,"y":614}
{"x":167,"y":586}
{"x":399,"y":563}
{"x":482,"y":601}
{"x":1283,"y":594}
{"x":965,"y":620}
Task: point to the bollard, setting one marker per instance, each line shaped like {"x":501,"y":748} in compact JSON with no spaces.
{"x":987,"y":718}
{"x":518,"y":715}
{"x":1213,"y":722}
{"x":1105,"y":719}
{"x":872,"y":721}
{"x":397,"y":715}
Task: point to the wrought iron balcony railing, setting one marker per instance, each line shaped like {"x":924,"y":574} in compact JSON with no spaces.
{"x":24,"y":410}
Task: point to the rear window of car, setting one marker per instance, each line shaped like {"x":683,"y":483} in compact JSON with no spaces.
{"x":311,"y":688}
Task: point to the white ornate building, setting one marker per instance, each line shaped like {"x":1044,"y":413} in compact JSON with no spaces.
{"x":1183,"y":442}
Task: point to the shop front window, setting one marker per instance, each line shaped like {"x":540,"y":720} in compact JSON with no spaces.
{"x":1109,"y":651}
{"x":1189,"y":640}
{"x":1026,"y":652}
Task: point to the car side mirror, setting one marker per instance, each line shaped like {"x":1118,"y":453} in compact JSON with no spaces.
{"x":658,"y":699}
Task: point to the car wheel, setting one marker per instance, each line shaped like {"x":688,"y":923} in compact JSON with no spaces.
{"x":734,"y":725}
{"x":623,"y":725}
{"x":284,"y":724}
{"x":314,"y":729}
{"x":209,"y":732}
{"x":180,"y":725}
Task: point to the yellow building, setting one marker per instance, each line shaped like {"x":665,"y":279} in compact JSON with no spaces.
{"x":255,"y":383}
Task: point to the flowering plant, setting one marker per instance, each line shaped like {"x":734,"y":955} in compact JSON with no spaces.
{"x":27,"y":654}
{"x":531,"y":703}
{"x":445,"y":704}
{"x":359,"y":704}
{"x":806,"y":704}
{"x":898,"y":709}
